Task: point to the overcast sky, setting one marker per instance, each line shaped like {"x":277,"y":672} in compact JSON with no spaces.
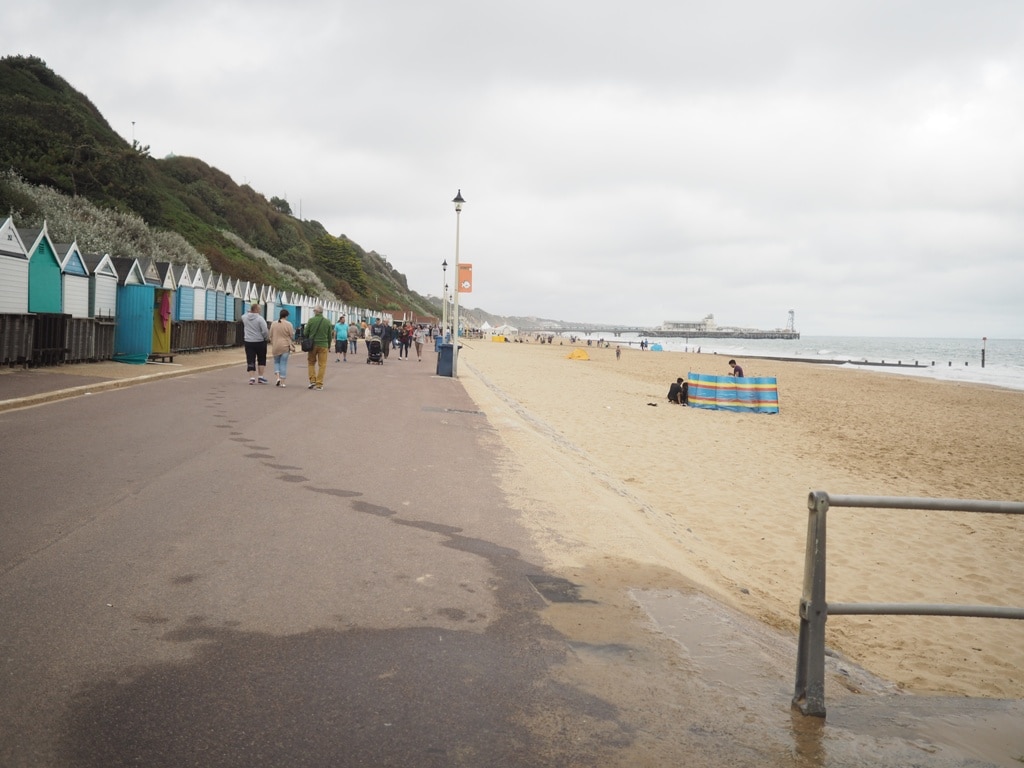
{"x":861,"y":162}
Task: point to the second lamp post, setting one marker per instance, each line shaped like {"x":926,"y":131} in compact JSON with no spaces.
{"x":455,"y":294}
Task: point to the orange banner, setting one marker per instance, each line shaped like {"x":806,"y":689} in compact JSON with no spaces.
{"x":465,"y":278}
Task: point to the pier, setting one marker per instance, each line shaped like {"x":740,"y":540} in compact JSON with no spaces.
{"x":720,"y":333}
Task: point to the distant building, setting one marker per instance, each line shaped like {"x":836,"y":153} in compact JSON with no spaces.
{"x":692,"y":327}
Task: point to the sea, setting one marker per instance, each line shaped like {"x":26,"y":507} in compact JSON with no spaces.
{"x":942,"y":359}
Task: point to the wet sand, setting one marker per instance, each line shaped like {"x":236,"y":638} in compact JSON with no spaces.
{"x":719,"y":498}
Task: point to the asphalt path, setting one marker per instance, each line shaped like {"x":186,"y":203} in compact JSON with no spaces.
{"x":199,"y":572}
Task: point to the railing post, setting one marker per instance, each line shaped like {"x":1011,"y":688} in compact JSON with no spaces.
{"x":809,"y":693}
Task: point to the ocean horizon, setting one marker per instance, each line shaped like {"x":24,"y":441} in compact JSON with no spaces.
{"x":946,"y":359}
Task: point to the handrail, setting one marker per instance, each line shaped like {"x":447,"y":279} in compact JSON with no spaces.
{"x":809,"y":693}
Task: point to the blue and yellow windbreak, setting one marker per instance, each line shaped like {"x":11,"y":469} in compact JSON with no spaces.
{"x":750,"y":394}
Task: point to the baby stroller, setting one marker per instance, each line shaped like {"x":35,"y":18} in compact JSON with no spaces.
{"x":373,"y":352}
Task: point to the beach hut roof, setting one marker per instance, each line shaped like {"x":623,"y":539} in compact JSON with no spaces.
{"x":182,"y":274}
{"x":150,"y":272}
{"x":33,"y":238}
{"x":71,"y":261}
{"x":99,"y":264}
{"x":128,"y":271}
{"x":166,"y":272}
{"x":11,"y":244}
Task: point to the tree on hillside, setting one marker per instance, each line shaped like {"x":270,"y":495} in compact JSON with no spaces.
{"x":280,"y":205}
{"x":341,"y":259}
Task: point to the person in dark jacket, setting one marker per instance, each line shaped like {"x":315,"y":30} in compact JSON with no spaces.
{"x":387,"y":336}
{"x":678,"y":392}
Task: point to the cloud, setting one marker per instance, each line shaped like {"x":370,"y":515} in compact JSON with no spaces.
{"x":858,"y":163}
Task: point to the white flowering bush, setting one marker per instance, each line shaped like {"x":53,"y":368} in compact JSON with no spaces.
{"x":98,"y":230}
{"x":308,"y":279}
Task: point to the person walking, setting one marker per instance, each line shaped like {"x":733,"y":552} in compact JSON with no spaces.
{"x":418,"y":337}
{"x":354,"y":333}
{"x":319,"y":330}
{"x":387,"y":337}
{"x":404,"y":341}
{"x":341,"y":340}
{"x":255,"y":339}
{"x":282,"y":338}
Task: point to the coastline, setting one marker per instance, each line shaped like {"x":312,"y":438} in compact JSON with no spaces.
{"x":719,"y":498}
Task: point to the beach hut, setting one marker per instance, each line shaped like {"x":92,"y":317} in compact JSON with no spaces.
{"x":13,"y":271}
{"x":102,"y":305}
{"x":102,"y":284}
{"x":133,"y":335}
{"x":198,"y":296}
{"x":184,"y":297}
{"x":44,"y":283}
{"x":163,"y":308}
{"x":74,"y":280}
{"x":241,"y":294}
{"x":253,"y":295}
{"x":16,"y":327}
{"x":210,"y":310}
{"x":271,"y":303}
{"x":229,"y":298}
{"x":220,"y":305}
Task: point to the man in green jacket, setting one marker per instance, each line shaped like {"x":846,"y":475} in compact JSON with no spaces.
{"x":318,"y":328}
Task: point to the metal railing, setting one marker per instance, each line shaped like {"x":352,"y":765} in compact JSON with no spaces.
{"x":809,"y":694}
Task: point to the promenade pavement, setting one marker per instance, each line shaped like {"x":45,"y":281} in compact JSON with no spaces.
{"x":22,"y":387}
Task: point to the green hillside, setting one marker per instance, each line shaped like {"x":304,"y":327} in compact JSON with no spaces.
{"x":63,"y":162}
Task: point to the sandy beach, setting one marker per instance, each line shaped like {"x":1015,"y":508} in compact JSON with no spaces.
{"x":648,"y":495}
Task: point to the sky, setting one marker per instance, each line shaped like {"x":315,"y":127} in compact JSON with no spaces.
{"x":860,"y":163}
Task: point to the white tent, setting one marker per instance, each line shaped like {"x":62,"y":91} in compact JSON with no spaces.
{"x":486,"y":326}
{"x":505,"y":330}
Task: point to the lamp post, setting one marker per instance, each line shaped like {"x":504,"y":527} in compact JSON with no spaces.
{"x":455,"y":294}
{"x":444,"y":297}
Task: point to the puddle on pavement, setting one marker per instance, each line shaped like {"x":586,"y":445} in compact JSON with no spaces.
{"x":748,"y":671}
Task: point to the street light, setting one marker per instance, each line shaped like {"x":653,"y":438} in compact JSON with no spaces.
{"x":444,"y":297}
{"x":455,"y":295}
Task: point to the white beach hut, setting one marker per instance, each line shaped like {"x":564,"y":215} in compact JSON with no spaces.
{"x":198,"y":296}
{"x":13,"y":271}
{"x":74,"y":280}
{"x":102,"y":284}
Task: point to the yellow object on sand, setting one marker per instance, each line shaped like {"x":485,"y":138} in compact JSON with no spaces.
{"x":579,"y":354}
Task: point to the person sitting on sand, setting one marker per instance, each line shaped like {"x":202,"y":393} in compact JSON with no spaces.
{"x":677,"y":393}
{"x":737,"y":370}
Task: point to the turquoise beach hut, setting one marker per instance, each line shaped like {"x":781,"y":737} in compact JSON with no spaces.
{"x":133,"y":335}
{"x":44,"y":294}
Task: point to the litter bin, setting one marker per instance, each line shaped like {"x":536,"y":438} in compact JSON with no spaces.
{"x":437,"y":343}
{"x":444,"y":359}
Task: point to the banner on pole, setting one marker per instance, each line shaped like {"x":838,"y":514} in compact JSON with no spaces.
{"x":465,"y":278}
